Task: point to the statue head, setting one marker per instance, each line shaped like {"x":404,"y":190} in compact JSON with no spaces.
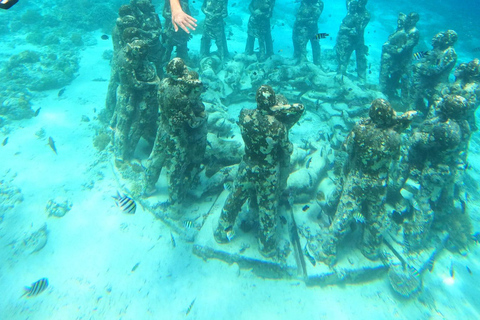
{"x":176,"y":67}
{"x":445,"y":39}
{"x":382,"y":114}
{"x":265,"y":98}
{"x":453,"y":107}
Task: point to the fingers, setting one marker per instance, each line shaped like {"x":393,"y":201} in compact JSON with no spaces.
{"x":174,"y":25}
{"x":184,"y":21}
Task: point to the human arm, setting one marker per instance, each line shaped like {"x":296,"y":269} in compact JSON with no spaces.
{"x":180,"y":18}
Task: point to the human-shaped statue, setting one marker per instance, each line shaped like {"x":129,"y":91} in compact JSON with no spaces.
{"x":351,"y":37}
{"x":214,"y":27}
{"x":172,"y":38}
{"x":467,"y":85}
{"x":305,"y":29}
{"x":181,"y":137}
{"x":397,"y":53}
{"x":434,"y":187}
{"x":137,"y":21}
{"x":371,"y":146}
{"x":259,"y":28}
{"x":261,"y":174}
{"x":137,"y":104}
{"x":431,"y":73}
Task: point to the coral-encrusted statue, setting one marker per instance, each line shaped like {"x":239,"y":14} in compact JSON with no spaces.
{"x":263,"y":173}
{"x":259,"y":28}
{"x":351,"y":37}
{"x":305,"y":29}
{"x":214,"y":28}
{"x":397,"y":52}
{"x":182,"y":136}
{"x":172,"y":39}
{"x":371,"y":146}
{"x":431,"y":74}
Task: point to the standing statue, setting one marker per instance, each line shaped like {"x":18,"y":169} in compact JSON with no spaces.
{"x":397,"y":53}
{"x":182,"y":136}
{"x":214,"y":27}
{"x":172,"y":37}
{"x":263,"y":172}
{"x":259,"y":28}
{"x":305,"y":30}
{"x":351,"y":38}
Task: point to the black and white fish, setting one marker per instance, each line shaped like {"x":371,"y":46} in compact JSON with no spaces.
{"x":360,"y":218}
{"x":125,"y":203}
{"x":419,"y":55}
{"x":319,"y":36}
{"x":305,"y":207}
{"x":228,"y":186}
{"x":190,"y":307}
{"x":188,"y":224}
{"x":36,"y":288}
{"x":431,"y":263}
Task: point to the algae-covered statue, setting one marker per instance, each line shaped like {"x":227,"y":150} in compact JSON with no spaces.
{"x":259,"y":28}
{"x":431,"y":73}
{"x":305,"y":29}
{"x":182,"y":136}
{"x":351,"y":38}
{"x":263,"y":173}
{"x":397,"y":53}
{"x":434,"y":190}
{"x":136,"y":107}
{"x":214,"y":27}
{"x":372,"y":146}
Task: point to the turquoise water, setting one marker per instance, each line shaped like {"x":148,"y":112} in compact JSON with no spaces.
{"x":58,"y":219}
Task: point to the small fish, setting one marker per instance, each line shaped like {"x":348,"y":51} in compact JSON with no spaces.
{"x":430,"y":263}
{"x":135,"y":266}
{"x":104,"y":37}
{"x":60,"y":93}
{"x":190,"y":307}
{"x":307,"y":165}
{"x":188,"y":224}
{"x":36,"y":288}
{"x":419,"y":55}
{"x":228,"y":186}
{"x":280,"y":50}
{"x":468,"y":269}
{"x":319,"y":36}
{"x":5,"y":141}
{"x":230,"y":233}
{"x":305,"y":207}
{"x":414,"y":271}
{"x":172,"y":239}
{"x":51,"y":143}
{"x":37,"y":112}
{"x":360,"y":218}
{"x":452,"y":270}
{"x":309,"y":256}
{"x":125,"y":203}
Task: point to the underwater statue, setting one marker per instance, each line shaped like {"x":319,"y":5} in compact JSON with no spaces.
{"x":467,"y":85}
{"x":263,"y":172}
{"x":430,"y":74}
{"x":371,"y":147}
{"x":259,"y":28}
{"x":137,"y":21}
{"x":136,"y":107}
{"x":397,"y":53}
{"x":172,"y":38}
{"x":434,"y":190}
{"x":182,"y":134}
{"x":305,"y":30}
{"x":351,"y":38}
{"x":214,"y":27}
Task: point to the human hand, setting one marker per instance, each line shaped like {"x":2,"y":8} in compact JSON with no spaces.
{"x":183,"y":20}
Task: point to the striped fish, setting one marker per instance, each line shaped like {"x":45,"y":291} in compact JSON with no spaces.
{"x":319,"y":36}
{"x":360,"y":218}
{"x":125,"y":203}
{"x":419,"y":55}
{"x":36,"y":288}
{"x":228,"y":186}
{"x":188,"y":224}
